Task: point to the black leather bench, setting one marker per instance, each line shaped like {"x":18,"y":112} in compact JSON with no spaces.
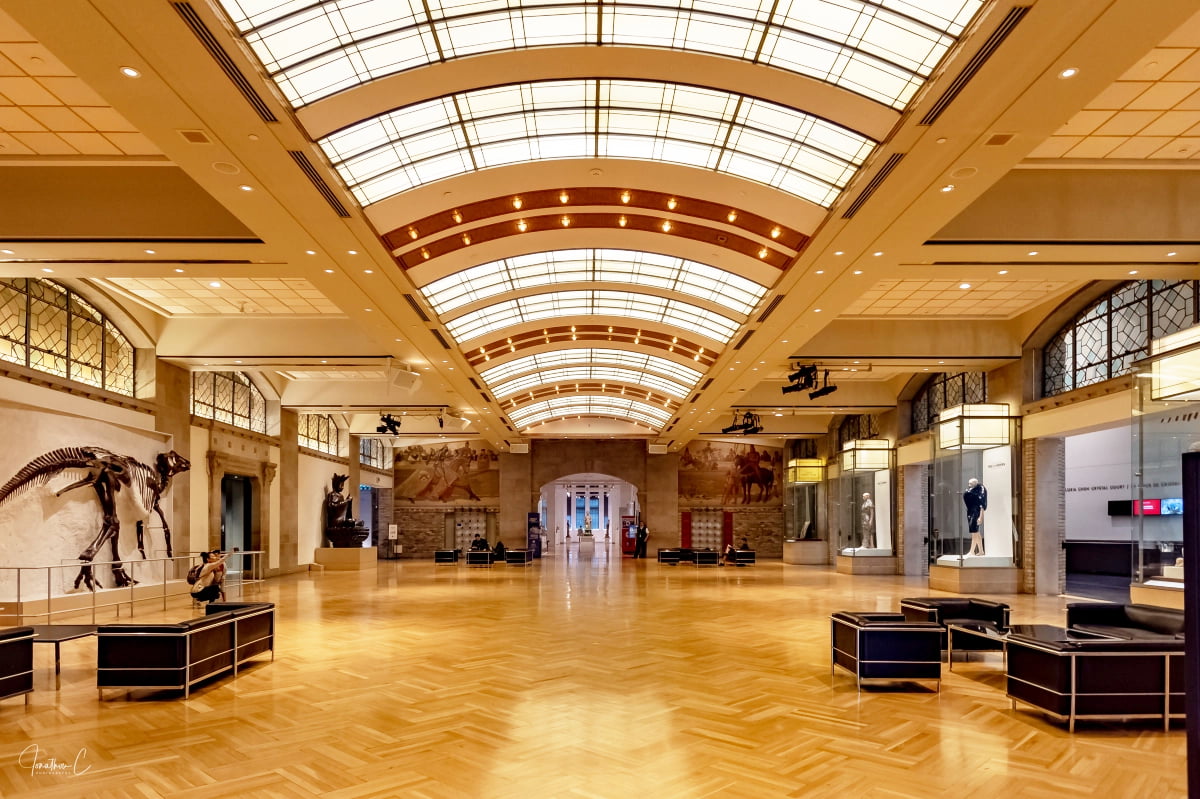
{"x":744,"y":557}
{"x":479,"y":557}
{"x":670,"y":556}
{"x":961,"y":610}
{"x":445,"y":556}
{"x":518,"y":557}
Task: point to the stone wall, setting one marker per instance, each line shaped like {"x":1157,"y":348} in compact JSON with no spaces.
{"x":422,"y":530}
{"x":1043,"y":516}
{"x":762,"y":527}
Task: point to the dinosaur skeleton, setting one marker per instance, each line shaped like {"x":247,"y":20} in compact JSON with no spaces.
{"x":106,"y":473}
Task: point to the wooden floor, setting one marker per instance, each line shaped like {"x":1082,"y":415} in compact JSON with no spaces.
{"x":575,"y":677}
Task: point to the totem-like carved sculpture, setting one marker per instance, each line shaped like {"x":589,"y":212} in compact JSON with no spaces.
{"x":107,"y":472}
{"x":341,"y":528}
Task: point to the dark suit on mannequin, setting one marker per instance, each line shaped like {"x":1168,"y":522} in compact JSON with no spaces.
{"x":975,"y":499}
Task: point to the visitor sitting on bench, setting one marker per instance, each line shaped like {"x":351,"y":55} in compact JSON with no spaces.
{"x":729,"y":556}
{"x":479,"y":544}
{"x":498,"y":551}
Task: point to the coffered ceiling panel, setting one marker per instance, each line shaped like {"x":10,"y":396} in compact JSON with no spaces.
{"x":991,"y":298}
{"x":187,"y":296}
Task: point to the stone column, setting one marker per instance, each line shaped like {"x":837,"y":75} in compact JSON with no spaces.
{"x":1043,"y":516}
{"x":289,"y":489}
{"x":173,"y":416}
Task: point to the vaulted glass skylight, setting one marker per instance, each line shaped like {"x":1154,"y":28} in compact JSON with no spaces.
{"x":560,"y":407}
{"x":882,"y":49}
{"x":735,"y":134}
{"x":644,"y":269}
{"x":575,"y":304}
{"x":581,"y":356}
{"x":593,"y":374}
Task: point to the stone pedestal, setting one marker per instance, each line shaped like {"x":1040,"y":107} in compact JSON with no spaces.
{"x":865,"y":564}
{"x":346,"y":558}
{"x":806,"y":552}
{"x":975,"y":579}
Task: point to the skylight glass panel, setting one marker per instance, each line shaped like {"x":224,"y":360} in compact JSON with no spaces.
{"x":559,"y":407}
{"x":561,"y":304}
{"x":591,"y":356}
{"x":315,"y":49}
{"x":649,"y":270}
{"x":579,"y":374}
{"x":561,"y":119}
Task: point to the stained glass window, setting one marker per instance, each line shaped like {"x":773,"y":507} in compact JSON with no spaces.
{"x":944,"y":391}
{"x":1104,"y":339}
{"x":373,"y":452}
{"x":317,"y":431}
{"x":229,"y":397}
{"x":48,"y":327}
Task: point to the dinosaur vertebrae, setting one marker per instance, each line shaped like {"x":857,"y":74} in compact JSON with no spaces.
{"x":54,"y":462}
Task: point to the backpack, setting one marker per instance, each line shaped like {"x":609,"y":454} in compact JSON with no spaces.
{"x":194,"y":573}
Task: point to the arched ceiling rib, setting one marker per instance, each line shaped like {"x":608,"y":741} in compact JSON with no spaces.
{"x":881,"y":49}
{"x":585,"y":405}
{"x":591,"y":356}
{"x":715,"y":130}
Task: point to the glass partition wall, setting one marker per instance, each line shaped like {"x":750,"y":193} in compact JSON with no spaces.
{"x":1166,"y":424}
{"x":863,"y":497}
{"x":974,"y":499}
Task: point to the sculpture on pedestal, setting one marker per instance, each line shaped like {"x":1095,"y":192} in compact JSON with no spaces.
{"x":341,"y":528}
{"x":106,"y":473}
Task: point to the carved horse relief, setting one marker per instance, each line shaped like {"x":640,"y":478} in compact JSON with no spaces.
{"x":106,"y":473}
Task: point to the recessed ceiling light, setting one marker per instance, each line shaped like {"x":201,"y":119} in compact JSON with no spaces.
{"x":964,"y":285}
{"x":941,"y":362}
{"x":368,"y":310}
{"x":1133,"y":271}
{"x":130,"y":72}
{"x":858,"y":271}
{"x":44,"y":269}
{"x":324,"y":361}
{"x":179,"y":270}
{"x":7,"y":252}
{"x":1069,"y":72}
{"x":816,"y":310}
{"x":237,"y":361}
{"x":820,"y":271}
{"x":244,"y":187}
{"x":947,"y":188}
{"x":1033,"y":252}
{"x":329,"y":271}
{"x":310,"y":252}
{"x":352,"y":252}
{"x":148,"y":252}
{"x":1172,"y":254}
{"x":839,"y":252}
{"x":368,"y":271}
{"x":1002,"y":272}
{"x":399,"y":339}
{"x":877,"y":254}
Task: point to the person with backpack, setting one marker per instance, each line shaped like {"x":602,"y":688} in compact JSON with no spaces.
{"x":209,"y":578}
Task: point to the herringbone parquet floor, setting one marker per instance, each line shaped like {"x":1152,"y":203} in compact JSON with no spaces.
{"x":575,"y":677}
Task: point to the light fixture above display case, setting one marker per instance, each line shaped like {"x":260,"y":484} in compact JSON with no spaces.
{"x":974,"y":426}
{"x":866,"y":455}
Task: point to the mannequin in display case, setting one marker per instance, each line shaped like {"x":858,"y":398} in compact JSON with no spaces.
{"x":867,"y":513}
{"x":975,"y":500}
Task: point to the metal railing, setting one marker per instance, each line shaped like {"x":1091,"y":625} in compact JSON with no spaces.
{"x":31,"y":593}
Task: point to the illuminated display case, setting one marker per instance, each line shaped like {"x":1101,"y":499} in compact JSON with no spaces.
{"x":1166,"y":424}
{"x":804,"y":543}
{"x":974,"y":503}
{"x":863,"y":498}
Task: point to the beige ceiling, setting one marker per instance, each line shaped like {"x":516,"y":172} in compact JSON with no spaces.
{"x":1151,"y":112}
{"x":46,"y":110}
{"x":948,"y":298}
{"x":177,"y":296}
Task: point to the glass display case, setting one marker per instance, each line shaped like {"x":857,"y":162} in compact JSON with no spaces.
{"x":1166,"y":424}
{"x":974,"y":497}
{"x":803,"y":477}
{"x":863,"y":499}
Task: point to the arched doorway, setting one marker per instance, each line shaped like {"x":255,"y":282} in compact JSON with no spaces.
{"x":588,"y":508}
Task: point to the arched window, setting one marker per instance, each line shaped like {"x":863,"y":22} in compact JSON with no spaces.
{"x":48,"y":327}
{"x":372,"y":452}
{"x":229,"y":397}
{"x":1104,"y":340}
{"x":317,"y":431}
{"x":944,"y":391}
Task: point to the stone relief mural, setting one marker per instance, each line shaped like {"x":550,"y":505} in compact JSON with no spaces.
{"x":452,"y":474}
{"x":721,"y":474}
